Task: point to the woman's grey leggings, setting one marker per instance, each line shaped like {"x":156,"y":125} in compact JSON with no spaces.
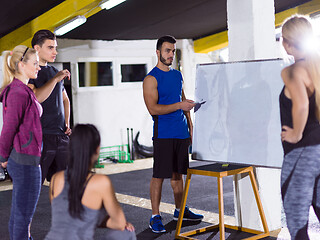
{"x":300,"y":188}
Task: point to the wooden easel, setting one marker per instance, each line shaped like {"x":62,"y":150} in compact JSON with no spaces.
{"x":219,"y":171}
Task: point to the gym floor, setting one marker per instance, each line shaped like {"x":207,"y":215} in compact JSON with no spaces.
{"x":131,"y":183}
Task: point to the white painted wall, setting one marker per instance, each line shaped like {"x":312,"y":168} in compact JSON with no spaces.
{"x":114,"y":108}
{"x":251,"y":36}
{"x":111,"y":108}
{"x":189,"y":60}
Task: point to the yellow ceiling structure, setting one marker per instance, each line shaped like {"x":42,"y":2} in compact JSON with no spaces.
{"x":72,"y":8}
{"x":220,"y":40}
{"x":49,"y":20}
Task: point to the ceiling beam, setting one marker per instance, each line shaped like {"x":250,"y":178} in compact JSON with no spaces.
{"x":49,"y":20}
{"x":220,"y":40}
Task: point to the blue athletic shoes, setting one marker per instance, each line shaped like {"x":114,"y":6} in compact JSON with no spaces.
{"x":156,"y":224}
{"x":188,"y":215}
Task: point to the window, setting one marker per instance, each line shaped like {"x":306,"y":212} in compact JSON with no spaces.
{"x":133,"y":72}
{"x":95,"y":74}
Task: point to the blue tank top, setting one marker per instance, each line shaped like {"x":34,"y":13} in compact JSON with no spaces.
{"x":172,"y":125}
{"x":311,"y":132}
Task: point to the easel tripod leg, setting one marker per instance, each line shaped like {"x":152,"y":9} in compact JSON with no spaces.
{"x":258,"y":200}
{"x":183,"y":204}
{"x":221,"y":209}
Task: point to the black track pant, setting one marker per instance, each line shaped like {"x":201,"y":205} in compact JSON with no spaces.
{"x":54,"y":155}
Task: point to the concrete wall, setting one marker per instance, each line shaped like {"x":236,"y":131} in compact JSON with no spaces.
{"x":115,"y":108}
{"x":111,"y":108}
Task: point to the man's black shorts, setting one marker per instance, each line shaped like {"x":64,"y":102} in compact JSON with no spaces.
{"x":170,"y":155}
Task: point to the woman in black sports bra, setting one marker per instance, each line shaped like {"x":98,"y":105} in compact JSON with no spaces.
{"x":81,"y":200}
{"x":300,"y":114}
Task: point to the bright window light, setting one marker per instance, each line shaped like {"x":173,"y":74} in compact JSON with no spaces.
{"x":315,"y":21}
{"x":310,"y":44}
{"x":278,"y":33}
{"x":70,"y":25}
{"x":224,"y":54}
{"x":111,"y":3}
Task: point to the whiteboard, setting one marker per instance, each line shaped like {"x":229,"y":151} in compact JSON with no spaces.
{"x":237,"y":116}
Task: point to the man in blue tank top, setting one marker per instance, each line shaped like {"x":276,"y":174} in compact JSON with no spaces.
{"x":166,"y":102}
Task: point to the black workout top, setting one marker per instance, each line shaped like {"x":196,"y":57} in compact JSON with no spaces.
{"x":52,"y":119}
{"x":311,"y":132}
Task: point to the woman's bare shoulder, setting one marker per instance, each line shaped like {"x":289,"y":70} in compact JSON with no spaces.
{"x":57,"y":182}
{"x":101,"y":181}
{"x":294,"y":72}
{"x":58,"y":177}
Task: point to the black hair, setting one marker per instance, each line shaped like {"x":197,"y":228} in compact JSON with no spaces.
{"x":167,"y":38}
{"x":40,"y":37}
{"x":84,"y":141}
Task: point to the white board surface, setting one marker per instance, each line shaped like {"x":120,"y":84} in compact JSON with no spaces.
{"x":238,"y":118}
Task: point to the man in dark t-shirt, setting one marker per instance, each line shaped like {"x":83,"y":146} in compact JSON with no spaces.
{"x":50,"y":92}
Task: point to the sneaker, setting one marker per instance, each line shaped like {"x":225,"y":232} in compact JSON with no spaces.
{"x":156,"y":224}
{"x":188,"y":215}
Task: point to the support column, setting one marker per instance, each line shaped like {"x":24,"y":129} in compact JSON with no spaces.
{"x":251,"y":34}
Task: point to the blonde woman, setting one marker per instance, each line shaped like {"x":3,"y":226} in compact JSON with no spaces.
{"x":300,"y":114}
{"x":21,"y":137}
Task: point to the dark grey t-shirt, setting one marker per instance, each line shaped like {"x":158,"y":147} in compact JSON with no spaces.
{"x":52,"y":119}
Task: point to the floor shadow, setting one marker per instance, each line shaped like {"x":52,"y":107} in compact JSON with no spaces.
{"x":170,"y":230}
{"x":171,"y":226}
{"x":230,"y":234}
